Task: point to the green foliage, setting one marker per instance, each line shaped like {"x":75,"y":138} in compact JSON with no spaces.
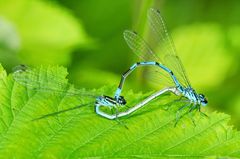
{"x":83,"y":134}
{"x":47,"y":32}
{"x":9,"y":43}
{"x":57,"y":32}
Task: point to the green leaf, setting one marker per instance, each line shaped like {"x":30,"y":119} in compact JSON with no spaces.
{"x":82,"y":133}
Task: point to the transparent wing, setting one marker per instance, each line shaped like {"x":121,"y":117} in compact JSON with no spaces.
{"x":164,"y":46}
{"x":144,"y":51}
{"x":139,"y":46}
{"x":159,"y":78}
{"x":47,"y":81}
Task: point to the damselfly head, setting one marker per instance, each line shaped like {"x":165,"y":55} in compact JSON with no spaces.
{"x":203,"y":99}
{"x":121,"y":101}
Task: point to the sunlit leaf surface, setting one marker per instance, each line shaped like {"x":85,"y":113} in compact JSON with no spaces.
{"x":83,"y":134}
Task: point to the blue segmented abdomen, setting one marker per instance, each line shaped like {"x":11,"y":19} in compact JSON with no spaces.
{"x":170,"y":72}
{"x":144,"y":63}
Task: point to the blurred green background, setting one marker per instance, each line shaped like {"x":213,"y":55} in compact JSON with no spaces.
{"x":86,"y":37}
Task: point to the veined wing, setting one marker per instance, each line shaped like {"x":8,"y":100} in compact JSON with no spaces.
{"x":47,"y":81}
{"x":144,"y":51}
{"x":139,"y":46}
{"x":164,"y":46}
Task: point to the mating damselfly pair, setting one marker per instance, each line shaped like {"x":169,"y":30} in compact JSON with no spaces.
{"x":159,"y":53}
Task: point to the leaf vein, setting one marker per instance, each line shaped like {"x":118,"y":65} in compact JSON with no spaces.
{"x":206,"y":128}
